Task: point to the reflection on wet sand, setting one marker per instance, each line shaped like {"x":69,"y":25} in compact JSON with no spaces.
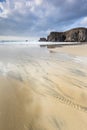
{"x":40,"y":90}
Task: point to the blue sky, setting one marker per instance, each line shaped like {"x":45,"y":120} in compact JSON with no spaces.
{"x":36,"y":18}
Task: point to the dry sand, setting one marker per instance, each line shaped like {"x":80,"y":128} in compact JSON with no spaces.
{"x":50,"y":95}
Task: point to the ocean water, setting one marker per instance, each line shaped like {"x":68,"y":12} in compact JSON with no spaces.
{"x":40,"y":90}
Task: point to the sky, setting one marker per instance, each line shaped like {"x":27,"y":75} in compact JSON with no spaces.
{"x":33,"y":19}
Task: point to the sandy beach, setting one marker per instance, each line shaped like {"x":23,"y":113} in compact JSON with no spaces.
{"x":43,"y":89}
{"x":79,"y":50}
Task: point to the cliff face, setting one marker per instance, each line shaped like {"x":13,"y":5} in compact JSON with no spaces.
{"x":73,"y":35}
{"x":56,"y":37}
{"x":76,"y":35}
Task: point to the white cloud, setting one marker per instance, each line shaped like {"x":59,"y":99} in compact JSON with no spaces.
{"x":33,"y":17}
{"x":71,"y":1}
{"x":38,"y":2}
{"x":84,"y":21}
{"x":4,"y":12}
{"x":5,"y":6}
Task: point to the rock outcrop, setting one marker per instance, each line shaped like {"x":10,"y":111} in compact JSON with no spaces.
{"x":43,"y":39}
{"x":76,"y":35}
{"x":73,"y":35}
{"x":56,"y":37}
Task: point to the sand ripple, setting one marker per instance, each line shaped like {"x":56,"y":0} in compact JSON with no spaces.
{"x":42,"y":90}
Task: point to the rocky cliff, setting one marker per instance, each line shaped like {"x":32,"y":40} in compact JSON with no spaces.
{"x":73,"y":35}
{"x":76,"y":35}
{"x":43,"y":39}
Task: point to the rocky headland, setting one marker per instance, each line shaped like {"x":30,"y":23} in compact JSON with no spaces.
{"x":73,"y":35}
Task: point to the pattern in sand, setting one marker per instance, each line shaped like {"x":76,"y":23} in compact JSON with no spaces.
{"x":40,"y":90}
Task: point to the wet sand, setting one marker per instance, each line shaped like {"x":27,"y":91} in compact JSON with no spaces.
{"x":79,"y":50}
{"x":42,"y":91}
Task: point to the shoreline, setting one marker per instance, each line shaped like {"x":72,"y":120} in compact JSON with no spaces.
{"x":62,"y":44}
{"x":76,"y":50}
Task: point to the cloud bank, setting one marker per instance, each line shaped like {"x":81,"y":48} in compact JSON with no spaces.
{"x":35,"y":18}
